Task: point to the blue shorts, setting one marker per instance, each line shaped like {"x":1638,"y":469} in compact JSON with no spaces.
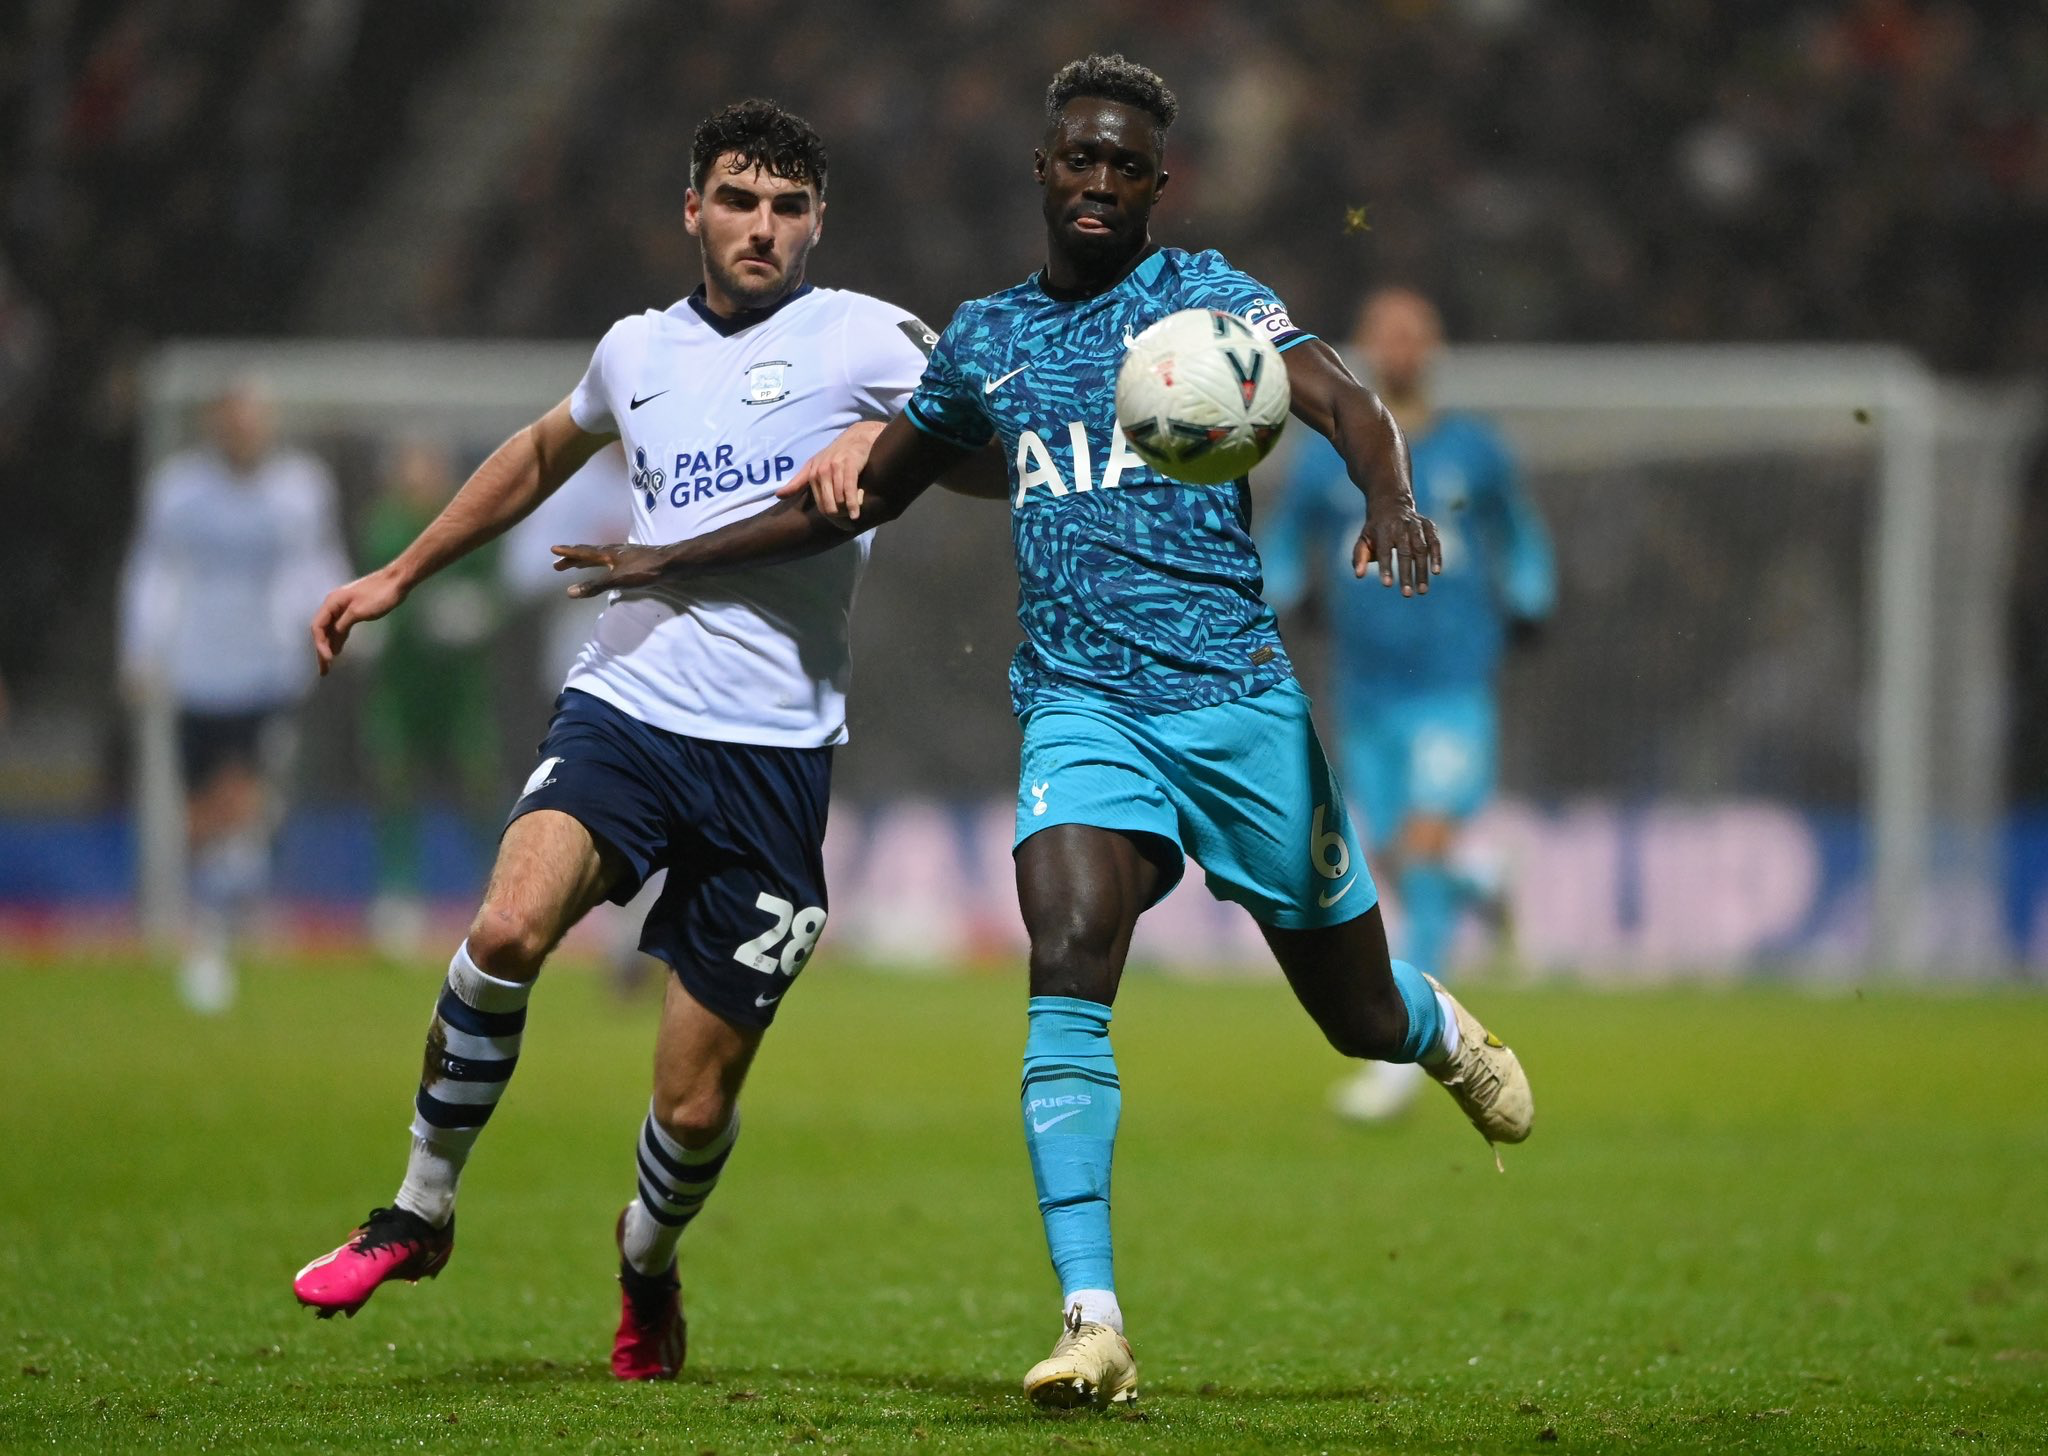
{"x":739,"y":827}
{"x":1421,"y":753}
{"x":1241,"y":788}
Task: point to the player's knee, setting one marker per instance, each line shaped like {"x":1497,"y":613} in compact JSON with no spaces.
{"x":1073,"y":959}
{"x":1372,"y":1029}
{"x":508,"y":944}
{"x":693,"y":1116}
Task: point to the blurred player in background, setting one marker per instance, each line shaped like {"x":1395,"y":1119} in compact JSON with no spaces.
{"x":1415,"y":687}
{"x":695,"y":731}
{"x":236,"y":540}
{"x":1160,"y":714}
{"x":428,"y":725}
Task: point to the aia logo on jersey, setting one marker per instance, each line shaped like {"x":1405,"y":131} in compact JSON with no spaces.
{"x":647,"y":482}
{"x":1038,"y":465}
{"x":768,"y":381}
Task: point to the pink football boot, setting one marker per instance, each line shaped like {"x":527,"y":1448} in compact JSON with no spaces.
{"x":652,"y":1333}
{"x":392,"y":1244}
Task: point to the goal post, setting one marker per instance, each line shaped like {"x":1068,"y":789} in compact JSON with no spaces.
{"x":1731,"y":402}
{"x":1785,"y":575}
{"x":323,"y":390}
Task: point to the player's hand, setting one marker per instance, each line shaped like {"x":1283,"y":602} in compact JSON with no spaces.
{"x":363,"y":600}
{"x":1405,"y":545}
{"x":832,"y":476}
{"x":620,"y":566}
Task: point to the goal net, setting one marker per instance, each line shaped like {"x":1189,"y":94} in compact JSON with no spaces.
{"x":1763,"y":733}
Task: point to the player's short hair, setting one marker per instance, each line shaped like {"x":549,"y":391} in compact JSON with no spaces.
{"x":759,"y":134}
{"x":1112,"y":78}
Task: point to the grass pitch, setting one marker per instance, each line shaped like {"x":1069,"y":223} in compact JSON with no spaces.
{"x":1748,"y":1220}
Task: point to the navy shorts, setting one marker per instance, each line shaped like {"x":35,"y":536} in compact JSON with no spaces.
{"x":739,"y":827}
{"x":209,"y":743}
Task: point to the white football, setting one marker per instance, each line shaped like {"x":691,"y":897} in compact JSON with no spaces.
{"x":1201,"y":396}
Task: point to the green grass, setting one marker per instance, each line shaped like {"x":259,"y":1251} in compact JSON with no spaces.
{"x":1749,"y":1220}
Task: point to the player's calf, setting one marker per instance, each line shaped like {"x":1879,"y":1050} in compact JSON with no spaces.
{"x":1368,"y":1028}
{"x":472,"y":1050}
{"x":1365,"y":1004}
{"x":674,"y":1182}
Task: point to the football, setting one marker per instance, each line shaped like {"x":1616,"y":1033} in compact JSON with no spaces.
{"x":1201,"y":396}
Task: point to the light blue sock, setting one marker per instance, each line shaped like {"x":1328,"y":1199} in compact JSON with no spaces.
{"x":1071,"y":1102}
{"x":1431,"y":901}
{"x":1425,"y":1016}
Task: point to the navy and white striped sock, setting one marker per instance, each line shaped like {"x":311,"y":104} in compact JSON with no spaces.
{"x":472,"y":1047}
{"x":674,"y":1182}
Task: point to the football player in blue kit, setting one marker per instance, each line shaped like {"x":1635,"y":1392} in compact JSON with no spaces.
{"x":1160,"y":714}
{"x":1417,"y":720}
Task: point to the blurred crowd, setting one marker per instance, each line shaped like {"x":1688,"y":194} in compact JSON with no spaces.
{"x":173,"y":167}
{"x":1659,"y":169}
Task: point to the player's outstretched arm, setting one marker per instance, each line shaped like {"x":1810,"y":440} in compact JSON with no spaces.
{"x":901,"y":466}
{"x":518,"y":476}
{"x":832,"y":476}
{"x":982,"y":475}
{"x":1329,"y":399}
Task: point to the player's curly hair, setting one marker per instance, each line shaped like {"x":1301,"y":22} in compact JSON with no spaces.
{"x":763,"y":135}
{"x":1112,"y":78}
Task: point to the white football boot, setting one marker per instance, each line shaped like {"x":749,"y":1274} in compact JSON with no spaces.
{"x":1089,"y":1364}
{"x":1485,"y":1079}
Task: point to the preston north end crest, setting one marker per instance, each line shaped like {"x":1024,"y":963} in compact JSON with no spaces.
{"x":767,"y":382}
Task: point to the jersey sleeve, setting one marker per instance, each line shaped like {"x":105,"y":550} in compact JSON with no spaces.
{"x":886,"y":352}
{"x":590,"y":402}
{"x":154,"y":580}
{"x":947,"y":402}
{"x":1213,"y":283}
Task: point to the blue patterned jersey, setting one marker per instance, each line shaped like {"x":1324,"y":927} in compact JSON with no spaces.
{"x":1497,"y":563}
{"x":1131,"y":586}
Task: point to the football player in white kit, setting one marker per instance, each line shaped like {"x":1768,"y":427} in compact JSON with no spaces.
{"x":223,"y":646}
{"x":694,"y":733}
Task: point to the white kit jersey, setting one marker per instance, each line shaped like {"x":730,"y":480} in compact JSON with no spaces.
{"x":226,"y":571}
{"x":714,"y":415}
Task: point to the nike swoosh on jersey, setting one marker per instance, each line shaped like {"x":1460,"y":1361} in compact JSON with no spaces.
{"x":638,"y":402}
{"x":767,"y":1000}
{"x":995,"y":384}
{"x":1331,"y":898}
{"x":1037,"y":1126}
